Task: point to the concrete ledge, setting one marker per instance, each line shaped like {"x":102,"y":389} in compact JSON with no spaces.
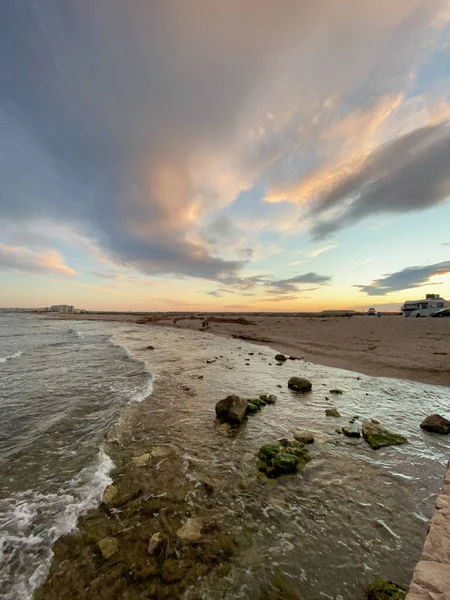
{"x":431,"y":577}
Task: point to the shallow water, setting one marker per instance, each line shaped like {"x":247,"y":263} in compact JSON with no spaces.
{"x":352,"y":515}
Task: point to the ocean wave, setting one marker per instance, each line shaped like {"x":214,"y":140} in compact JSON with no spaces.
{"x":11,"y":356}
{"x":144,"y":392}
{"x":25,"y":546}
{"x":114,"y":342}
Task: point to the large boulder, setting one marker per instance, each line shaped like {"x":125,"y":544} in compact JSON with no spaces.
{"x":385,"y":590}
{"x":299,"y":384}
{"x":282,"y":458}
{"x":231,"y":409}
{"x":436,"y":424}
{"x":378,"y":437}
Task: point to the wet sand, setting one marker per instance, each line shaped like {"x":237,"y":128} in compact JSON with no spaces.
{"x":390,"y":346}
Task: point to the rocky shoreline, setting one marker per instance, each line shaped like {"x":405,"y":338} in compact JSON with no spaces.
{"x":176,"y":524}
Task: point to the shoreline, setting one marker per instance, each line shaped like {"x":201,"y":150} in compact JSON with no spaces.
{"x":415,"y":350}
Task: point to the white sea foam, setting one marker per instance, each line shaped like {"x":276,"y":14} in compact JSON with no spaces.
{"x":25,"y":546}
{"x":11,"y":356}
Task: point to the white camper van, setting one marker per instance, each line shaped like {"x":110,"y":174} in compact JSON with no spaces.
{"x":424,"y":308}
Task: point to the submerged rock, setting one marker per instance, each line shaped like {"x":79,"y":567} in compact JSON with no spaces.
{"x":336,"y":391}
{"x":436,"y":424}
{"x":304,"y":436}
{"x":172,"y":571}
{"x":352,"y":432}
{"x":156,"y":543}
{"x":150,"y":348}
{"x":299,"y":384}
{"x":108,"y":546}
{"x":191,"y":531}
{"x":280,"y":357}
{"x":282,"y":458}
{"x":141,"y":461}
{"x":109,"y":494}
{"x":385,"y":590}
{"x":377,"y":437}
{"x":332,"y":412}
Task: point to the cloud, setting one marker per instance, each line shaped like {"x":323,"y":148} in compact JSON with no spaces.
{"x":318,"y":251}
{"x":408,"y":174}
{"x":136,"y":124}
{"x":13,"y":258}
{"x":277,"y":299}
{"x":216,"y":294}
{"x":411,"y":277}
{"x":293,"y":284}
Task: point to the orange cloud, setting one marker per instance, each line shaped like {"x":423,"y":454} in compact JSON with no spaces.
{"x":16,"y":258}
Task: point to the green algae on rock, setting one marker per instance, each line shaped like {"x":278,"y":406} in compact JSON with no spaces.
{"x":377,"y":437}
{"x":299,"y":384}
{"x":282,"y":458}
{"x":385,"y":590}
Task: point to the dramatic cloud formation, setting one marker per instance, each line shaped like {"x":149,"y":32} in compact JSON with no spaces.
{"x":137,"y":123}
{"x":410,"y":173}
{"x":408,"y":278}
{"x":21,"y":259}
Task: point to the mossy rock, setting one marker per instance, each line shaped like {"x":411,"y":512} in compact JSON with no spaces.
{"x":332,"y":412}
{"x":377,"y":437}
{"x":268,"y":398}
{"x":252,"y":408}
{"x":299,"y":384}
{"x":385,"y":590}
{"x":282,"y":458}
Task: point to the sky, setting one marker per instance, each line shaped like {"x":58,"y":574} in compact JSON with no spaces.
{"x":248,"y":155}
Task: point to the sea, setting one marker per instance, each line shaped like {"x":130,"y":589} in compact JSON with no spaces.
{"x":66,"y":385}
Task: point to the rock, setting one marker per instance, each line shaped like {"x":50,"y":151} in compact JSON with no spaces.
{"x":332,"y":412}
{"x":210,"y":486}
{"x":436,"y":424}
{"x":223,"y":407}
{"x":191,"y":531}
{"x":172,"y":571}
{"x":282,"y":458}
{"x":336,"y":391}
{"x":304,"y":436}
{"x":377,"y":437}
{"x":160,"y":452}
{"x":156,"y":543}
{"x":268,"y":398}
{"x":279,"y":385}
{"x":150,"y":348}
{"x":200,"y":377}
{"x":237,"y":411}
{"x":109,"y":493}
{"x":385,"y":590}
{"x":338,"y":431}
{"x":141,"y":461}
{"x":280,"y":357}
{"x":351,"y":432}
{"x":299,"y":384}
{"x":252,"y":408}
{"x":108,"y":546}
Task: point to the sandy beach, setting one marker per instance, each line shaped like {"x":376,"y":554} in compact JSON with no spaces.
{"x":390,"y":346}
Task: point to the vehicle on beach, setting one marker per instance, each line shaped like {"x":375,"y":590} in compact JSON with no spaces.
{"x":372,"y":312}
{"x":424,"y":308}
{"x":444,"y":312}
